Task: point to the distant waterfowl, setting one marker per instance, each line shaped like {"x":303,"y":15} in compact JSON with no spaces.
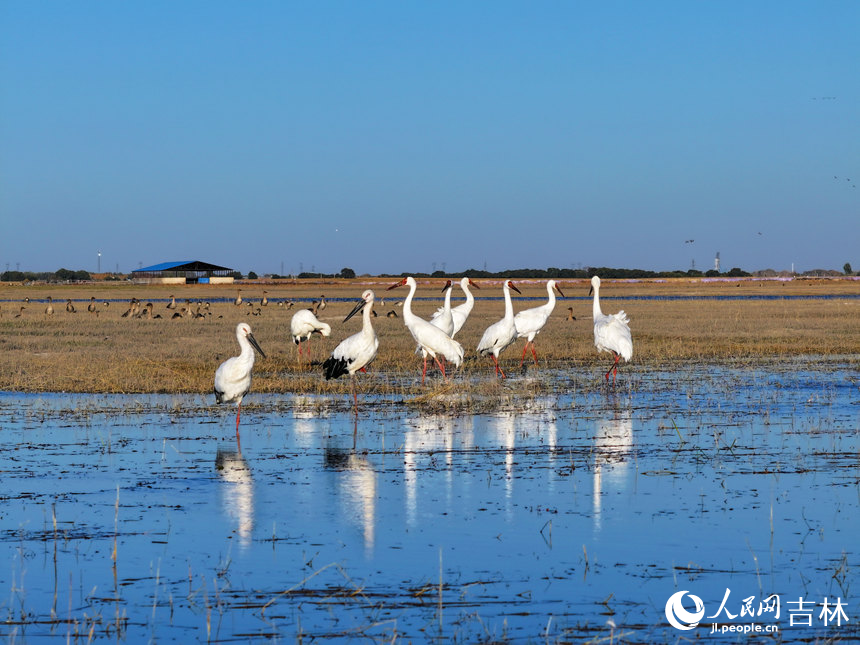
{"x":392,"y":314}
{"x":70,"y":307}
{"x":233,"y":376}
{"x":611,"y":332}
{"x":172,"y":303}
{"x":133,"y":309}
{"x":238,"y":300}
{"x":529,"y":322}
{"x":430,"y":338}
{"x":264,"y":301}
{"x":501,"y":334}
{"x":20,"y":312}
{"x":570,"y":315}
{"x":92,"y":306}
{"x":49,"y":310}
{"x":305,"y":324}
{"x":357,"y":351}
{"x":318,"y":305}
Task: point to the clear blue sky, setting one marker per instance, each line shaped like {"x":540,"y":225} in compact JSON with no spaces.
{"x":389,"y":136}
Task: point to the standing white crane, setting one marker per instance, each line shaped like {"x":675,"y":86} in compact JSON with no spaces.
{"x":500,"y":334}
{"x":357,"y":351}
{"x":529,"y":322}
{"x":430,"y":338}
{"x":305,"y":324}
{"x":611,"y":331}
{"x":460,"y":312}
{"x":233,"y":376}
{"x":444,"y":318}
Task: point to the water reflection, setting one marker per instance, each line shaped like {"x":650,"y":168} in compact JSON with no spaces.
{"x":613,"y":444}
{"x":357,"y":488}
{"x":237,"y":492}
{"x":426,"y":435}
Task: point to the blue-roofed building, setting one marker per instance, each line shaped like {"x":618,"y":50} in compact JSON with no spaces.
{"x":184,"y":272}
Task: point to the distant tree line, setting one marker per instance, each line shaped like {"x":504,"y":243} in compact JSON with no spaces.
{"x":60,"y":275}
{"x":569,"y":274}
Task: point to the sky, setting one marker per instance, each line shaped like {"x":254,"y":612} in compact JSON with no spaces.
{"x":389,"y":137}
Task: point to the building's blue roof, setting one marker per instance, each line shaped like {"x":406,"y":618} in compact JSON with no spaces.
{"x":165,"y":266}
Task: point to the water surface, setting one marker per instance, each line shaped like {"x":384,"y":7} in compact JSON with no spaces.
{"x":563,"y":517}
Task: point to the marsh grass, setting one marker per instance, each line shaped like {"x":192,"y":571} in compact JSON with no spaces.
{"x":102,"y":353}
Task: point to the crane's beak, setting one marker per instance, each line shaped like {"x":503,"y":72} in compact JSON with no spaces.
{"x":445,"y":288}
{"x":590,"y":290}
{"x":256,"y":345}
{"x":514,"y":287}
{"x":560,"y":292}
{"x":397,"y":284}
{"x":358,"y":307}
{"x":474,"y":284}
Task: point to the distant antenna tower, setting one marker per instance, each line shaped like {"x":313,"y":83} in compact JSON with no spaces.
{"x":693,"y":264}
{"x":717,"y":262}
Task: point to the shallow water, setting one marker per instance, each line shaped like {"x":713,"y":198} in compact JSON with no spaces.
{"x":571,"y":517}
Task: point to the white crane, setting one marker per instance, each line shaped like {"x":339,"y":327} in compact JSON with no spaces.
{"x":356,"y":352}
{"x":233,"y":376}
{"x":305,"y":324}
{"x":444,"y":318}
{"x":611,"y":331}
{"x":460,"y":312}
{"x":430,"y":338}
{"x":529,"y":322}
{"x":500,"y":334}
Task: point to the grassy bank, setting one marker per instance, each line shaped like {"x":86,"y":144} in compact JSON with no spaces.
{"x":104,"y":352}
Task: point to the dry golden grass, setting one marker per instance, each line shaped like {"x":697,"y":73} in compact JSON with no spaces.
{"x":107,"y":353}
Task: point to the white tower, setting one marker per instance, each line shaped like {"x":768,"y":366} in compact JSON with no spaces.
{"x":717,"y":262}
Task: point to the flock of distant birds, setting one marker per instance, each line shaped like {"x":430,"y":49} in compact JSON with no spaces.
{"x":434,"y":337}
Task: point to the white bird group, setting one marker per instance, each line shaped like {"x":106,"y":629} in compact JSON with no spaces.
{"x":434,"y":338}
{"x":431,"y":339}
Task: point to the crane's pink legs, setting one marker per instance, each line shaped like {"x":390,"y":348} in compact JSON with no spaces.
{"x":614,"y":368}
{"x":499,"y":370}
{"x":441,"y":368}
{"x":533,"y":353}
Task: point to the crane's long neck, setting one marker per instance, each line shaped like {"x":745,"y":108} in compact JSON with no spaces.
{"x":448,"y":298}
{"x":407,"y":304}
{"x":596,"y":313}
{"x":509,"y":306}
{"x":550,"y":290}
{"x":470,"y":299}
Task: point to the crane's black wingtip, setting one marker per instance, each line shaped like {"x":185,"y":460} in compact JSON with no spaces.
{"x":334,"y":367}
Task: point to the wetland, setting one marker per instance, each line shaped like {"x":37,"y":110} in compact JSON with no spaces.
{"x":549,"y":507}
